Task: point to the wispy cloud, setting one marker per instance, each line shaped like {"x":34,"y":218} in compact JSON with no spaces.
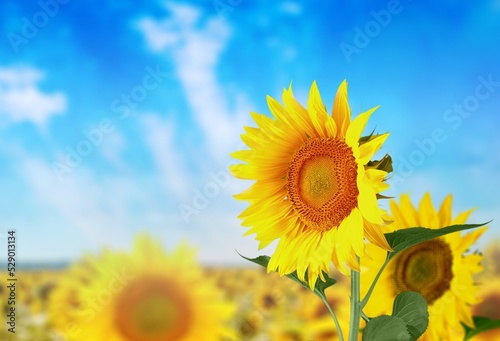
{"x":22,"y":100}
{"x":195,"y":45}
{"x":159,"y":134}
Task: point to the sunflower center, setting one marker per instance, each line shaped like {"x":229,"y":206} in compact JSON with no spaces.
{"x":317,"y":181}
{"x":425,"y":268}
{"x":152,"y":309}
{"x":321,"y":182}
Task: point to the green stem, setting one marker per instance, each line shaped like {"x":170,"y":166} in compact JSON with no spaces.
{"x":355,"y":307}
{"x":372,"y":286}
{"x":366,"y":318}
{"x":337,"y":324}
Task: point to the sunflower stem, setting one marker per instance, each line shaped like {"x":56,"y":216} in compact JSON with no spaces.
{"x":355,"y":307}
{"x":372,"y":286}
{"x":366,"y":318}
{"x":337,"y":324}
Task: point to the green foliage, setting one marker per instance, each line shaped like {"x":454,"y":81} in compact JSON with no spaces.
{"x":411,"y":307}
{"x":408,"y":322}
{"x":403,"y":239}
{"x":482,"y":324}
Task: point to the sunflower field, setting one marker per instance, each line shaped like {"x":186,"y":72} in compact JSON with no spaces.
{"x":79,"y":302}
{"x":249,"y":170}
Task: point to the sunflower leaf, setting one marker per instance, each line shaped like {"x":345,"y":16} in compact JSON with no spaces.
{"x":387,"y":328}
{"x":320,"y":286}
{"x":403,"y":239}
{"x":408,"y":322}
{"x":482,"y":324}
{"x":411,"y":307}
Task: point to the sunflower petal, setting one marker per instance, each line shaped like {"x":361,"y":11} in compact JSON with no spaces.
{"x":341,"y":112}
{"x":367,"y":150}
{"x":317,"y":111}
{"x":357,"y":126}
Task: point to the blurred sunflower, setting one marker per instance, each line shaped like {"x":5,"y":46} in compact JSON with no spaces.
{"x":316,"y":189}
{"x":437,"y":269}
{"x":488,"y":307}
{"x":147,"y":295}
{"x":491,"y":259}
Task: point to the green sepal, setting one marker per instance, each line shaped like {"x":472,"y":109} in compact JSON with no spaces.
{"x":384,"y":164}
{"x":364,"y":139}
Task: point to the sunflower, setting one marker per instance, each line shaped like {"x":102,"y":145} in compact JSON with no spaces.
{"x":488,"y":307}
{"x":316,"y":189}
{"x":147,"y":295}
{"x":438,"y":269}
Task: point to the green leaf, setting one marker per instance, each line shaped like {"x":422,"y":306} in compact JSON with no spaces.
{"x":408,"y":322}
{"x":403,"y":239}
{"x":411,"y":307}
{"x":482,"y":324}
{"x":320,"y":286}
{"x":386,"y":328}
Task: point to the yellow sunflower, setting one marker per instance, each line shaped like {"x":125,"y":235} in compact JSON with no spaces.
{"x":316,"y":189}
{"x":488,"y":307}
{"x":147,"y":295}
{"x":438,"y":269}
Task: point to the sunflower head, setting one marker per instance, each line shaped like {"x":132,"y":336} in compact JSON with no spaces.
{"x":315,"y":184}
{"x":147,"y":295}
{"x":440,"y":269}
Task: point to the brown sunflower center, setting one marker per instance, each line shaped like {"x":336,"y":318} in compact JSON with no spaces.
{"x":153,"y":309}
{"x":425,"y":268}
{"x":321,"y":182}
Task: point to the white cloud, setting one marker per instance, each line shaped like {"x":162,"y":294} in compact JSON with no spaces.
{"x":21,"y":100}
{"x":105,"y":210}
{"x":195,"y":46}
{"x":159,"y":135}
{"x":112,"y":149}
{"x":83,"y":203}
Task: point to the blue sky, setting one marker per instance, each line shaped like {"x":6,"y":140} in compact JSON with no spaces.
{"x":117,"y":117}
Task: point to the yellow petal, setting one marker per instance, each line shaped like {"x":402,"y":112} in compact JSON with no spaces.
{"x":298,"y":112}
{"x":462,"y":217}
{"x":427,"y":213}
{"x":341,"y":112}
{"x":368,"y":204}
{"x":316,"y":109}
{"x":445,"y":211}
{"x":409,"y":211}
{"x":368,"y":149}
{"x":375,"y":236}
{"x":357,"y":126}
